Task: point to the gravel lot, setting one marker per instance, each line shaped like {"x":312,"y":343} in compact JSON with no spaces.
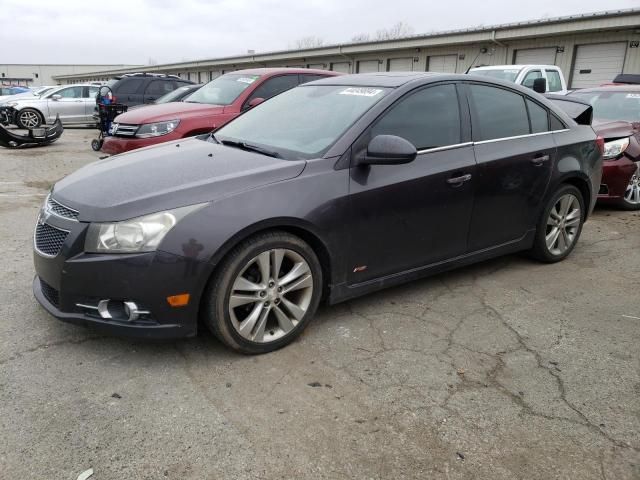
{"x":507,"y":369}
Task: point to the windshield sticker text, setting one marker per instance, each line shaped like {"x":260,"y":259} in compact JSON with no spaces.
{"x":248,"y":80}
{"x":361,"y":92}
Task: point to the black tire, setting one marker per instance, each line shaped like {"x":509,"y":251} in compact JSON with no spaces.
{"x":540,"y":251}
{"x":96,"y":144}
{"x":216,"y":312}
{"x":20,"y":121}
{"x":625,"y":204}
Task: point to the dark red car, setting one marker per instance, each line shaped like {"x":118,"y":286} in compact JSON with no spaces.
{"x":213,"y":105}
{"x":616,"y":118}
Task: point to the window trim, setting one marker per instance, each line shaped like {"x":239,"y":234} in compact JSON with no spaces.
{"x":245,"y":103}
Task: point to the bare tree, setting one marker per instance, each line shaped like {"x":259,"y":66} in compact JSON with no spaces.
{"x":399,"y":30}
{"x":361,"y":37}
{"x":308,"y":42}
{"x":152,"y":61}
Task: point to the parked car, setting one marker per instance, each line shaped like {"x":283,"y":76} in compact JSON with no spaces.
{"x":627,"y":79}
{"x":73,"y":103}
{"x":616,"y":113}
{"x":526,"y":75}
{"x":213,"y":105}
{"x":178,"y":95}
{"x":333,"y":189}
{"x":10,"y":91}
{"x":6,"y":112}
{"x":142,"y":88}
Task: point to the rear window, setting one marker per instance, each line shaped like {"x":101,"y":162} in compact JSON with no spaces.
{"x":612,"y":105}
{"x":128,"y":85}
{"x":509,"y":74}
{"x":500,"y":113}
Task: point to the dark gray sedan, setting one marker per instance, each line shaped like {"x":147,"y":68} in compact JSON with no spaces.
{"x":328,"y":191}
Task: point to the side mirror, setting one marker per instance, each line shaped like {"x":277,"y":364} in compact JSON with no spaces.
{"x":56,"y":97}
{"x":255,"y":101}
{"x":388,"y":150}
{"x":540,"y":85}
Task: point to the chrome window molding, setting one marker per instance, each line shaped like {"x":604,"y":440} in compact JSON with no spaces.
{"x":446,"y":147}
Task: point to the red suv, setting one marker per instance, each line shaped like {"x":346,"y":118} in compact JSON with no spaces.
{"x":209,"y":108}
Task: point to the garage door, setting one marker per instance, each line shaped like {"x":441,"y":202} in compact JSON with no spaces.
{"x":317,"y":66}
{"x":368,"y":66}
{"x":401,"y":64}
{"x":597,"y":64}
{"x":343,"y":67}
{"x":443,"y":63}
{"x":536,"y":56}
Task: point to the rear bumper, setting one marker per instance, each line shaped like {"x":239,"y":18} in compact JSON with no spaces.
{"x":615,"y":178}
{"x":116,"y":145}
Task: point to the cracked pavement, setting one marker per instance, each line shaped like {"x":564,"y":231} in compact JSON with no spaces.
{"x":508,"y":369}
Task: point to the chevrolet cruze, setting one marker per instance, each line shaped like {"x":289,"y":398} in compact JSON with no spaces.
{"x":330,"y":190}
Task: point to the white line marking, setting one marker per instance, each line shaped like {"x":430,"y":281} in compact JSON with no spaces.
{"x":631,"y":316}
{"x":23,"y":194}
{"x":9,"y":183}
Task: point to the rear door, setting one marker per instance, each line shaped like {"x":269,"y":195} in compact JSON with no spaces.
{"x":70,"y":105}
{"x":515,"y":153}
{"x":130,"y":90}
{"x":407,"y":216}
{"x":89,"y":98}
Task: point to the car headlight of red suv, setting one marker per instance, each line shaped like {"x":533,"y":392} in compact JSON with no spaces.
{"x":157,"y":129}
{"x":614,"y":148}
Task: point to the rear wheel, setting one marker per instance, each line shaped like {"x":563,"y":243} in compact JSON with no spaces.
{"x":631,"y":199}
{"x":265,"y":293}
{"x":559,"y":226}
{"x":29,"y":118}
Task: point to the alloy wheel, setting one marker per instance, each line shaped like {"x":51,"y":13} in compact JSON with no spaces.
{"x":29,"y":119}
{"x":563,"y":224}
{"x":270,"y":295}
{"x":632,"y":194}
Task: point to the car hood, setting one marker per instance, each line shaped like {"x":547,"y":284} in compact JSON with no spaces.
{"x":168,"y":111}
{"x":167,"y":176}
{"x":618,"y":129}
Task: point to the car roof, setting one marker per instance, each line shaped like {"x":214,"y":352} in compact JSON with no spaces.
{"x":381,"y":79}
{"x":609,"y":88}
{"x":513,"y":67}
{"x":276,"y":71}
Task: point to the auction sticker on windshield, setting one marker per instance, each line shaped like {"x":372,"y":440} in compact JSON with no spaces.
{"x":247,"y":79}
{"x":361,"y":92}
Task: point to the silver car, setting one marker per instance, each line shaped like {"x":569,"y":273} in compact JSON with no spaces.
{"x":74,"y":103}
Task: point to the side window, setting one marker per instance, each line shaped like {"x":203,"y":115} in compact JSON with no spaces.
{"x":499,"y":113}
{"x":274,"y":86}
{"x":538,"y":117}
{"x":91,"y":92}
{"x":530,"y":77}
{"x":158,"y":88}
{"x":71,"y":92}
{"x":129,"y":85}
{"x":308,"y":77}
{"x":556,"y":124}
{"x":428,"y":118}
{"x":554,"y":84}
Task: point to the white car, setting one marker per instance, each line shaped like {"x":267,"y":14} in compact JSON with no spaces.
{"x":525,"y":75}
{"x":74,"y":104}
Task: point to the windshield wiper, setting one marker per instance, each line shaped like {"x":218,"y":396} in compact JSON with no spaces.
{"x":251,"y":148}
{"x":213,"y":138}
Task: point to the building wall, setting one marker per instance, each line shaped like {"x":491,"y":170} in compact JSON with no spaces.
{"x":38,"y":75}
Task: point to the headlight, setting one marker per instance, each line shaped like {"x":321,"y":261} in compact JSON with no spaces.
{"x":614,"y":148}
{"x":157,"y":129}
{"x":142,"y":234}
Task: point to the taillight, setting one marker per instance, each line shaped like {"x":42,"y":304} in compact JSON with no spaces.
{"x":600,"y":144}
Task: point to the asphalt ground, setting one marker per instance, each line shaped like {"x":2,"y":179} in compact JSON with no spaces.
{"x":508,"y":369}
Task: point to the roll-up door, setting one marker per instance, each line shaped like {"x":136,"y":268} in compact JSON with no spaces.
{"x":597,"y":64}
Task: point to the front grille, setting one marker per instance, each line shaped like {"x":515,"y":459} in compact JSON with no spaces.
{"x":50,"y":293}
{"x":124,"y":130}
{"x":60,"y":210}
{"x":48,"y":239}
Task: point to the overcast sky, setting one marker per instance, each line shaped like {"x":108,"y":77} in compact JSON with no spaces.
{"x":135,"y":31}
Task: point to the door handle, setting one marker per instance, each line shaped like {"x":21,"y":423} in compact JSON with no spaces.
{"x":459,"y":180}
{"x":539,"y":160}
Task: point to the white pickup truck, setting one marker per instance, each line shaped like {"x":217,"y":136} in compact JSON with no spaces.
{"x":525,"y":75}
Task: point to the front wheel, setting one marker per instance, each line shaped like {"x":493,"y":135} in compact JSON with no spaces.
{"x":265,"y":293}
{"x":559,"y":226}
{"x":29,"y":118}
{"x":96,"y":144}
{"x":631,"y":199}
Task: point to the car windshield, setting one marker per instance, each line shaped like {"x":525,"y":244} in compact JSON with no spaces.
{"x":501,"y":74}
{"x":223,"y":90}
{"x":611,"y":105}
{"x":172,"y":96}
{"x":303,"y":122}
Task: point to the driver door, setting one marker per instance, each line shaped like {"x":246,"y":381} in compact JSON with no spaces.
{"x":70,"y":106}
{"x":412,"y":215}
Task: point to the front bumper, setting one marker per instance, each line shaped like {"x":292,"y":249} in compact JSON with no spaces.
{"x":116,"y":145}
{"x":7,"y":115}
{"x":615,"y":178}
{"x":70,"y":280}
